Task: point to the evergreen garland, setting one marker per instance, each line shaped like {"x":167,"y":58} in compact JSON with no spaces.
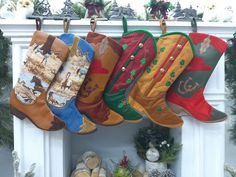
{"x":230,"y":68}
{"x":230,"y":78}
{"x":6,"y":125}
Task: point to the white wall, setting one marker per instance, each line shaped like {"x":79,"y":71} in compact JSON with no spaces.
{"x":6,"y":169}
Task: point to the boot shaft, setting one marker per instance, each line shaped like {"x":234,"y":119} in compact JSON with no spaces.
{"x":175,"y":51}
{"x":107,"y":54}
{"x":139,"y":50}
{"x":208,"y":51}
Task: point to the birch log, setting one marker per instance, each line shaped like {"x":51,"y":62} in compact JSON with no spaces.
{"x":91,"y":159}
{"x":102,"y":172}
{"x":95,"y":172}
{"x":81,"y":171}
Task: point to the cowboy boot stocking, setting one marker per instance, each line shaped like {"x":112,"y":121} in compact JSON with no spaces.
{"x":90,"y":100}
{"x":187,"y":91}
{"x":44,"y":57}
{"x":62,"y":93}
{"x":149,"y":93}
{"x":139,"y":51}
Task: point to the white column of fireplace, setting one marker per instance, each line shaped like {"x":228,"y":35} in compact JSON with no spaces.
{"x":203,"y":144}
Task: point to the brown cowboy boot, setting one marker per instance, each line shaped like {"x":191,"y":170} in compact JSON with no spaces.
{"x":45,"y":56}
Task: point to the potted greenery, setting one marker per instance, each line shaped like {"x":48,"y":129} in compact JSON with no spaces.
{"x":123,"y":168}
{"x":155,"y":145}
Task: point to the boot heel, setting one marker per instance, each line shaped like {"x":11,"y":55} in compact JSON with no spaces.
{"x":178,"y":109}
{"x":17,"y":113}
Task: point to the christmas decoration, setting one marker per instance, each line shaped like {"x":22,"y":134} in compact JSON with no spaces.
{"x":96,"y":8}
{"x":123,"y":168}
{"x":167,"y":173}
{"x":117,"y":12}
{"x":61,"y":96}
{"x":152,"y":166}
{"x":148,"y":95}
{"x":157,"y":9}
{"x":44,"y":57}
{"x":139,"y":50}
{"x":16,"y":164}
{"x":6,"y":124}
{"x":184,"y":14}
{"x":154,"y":173}
{"x":161,"y":140}
{"x":152,"y":153}
{"x":90,"y":100}
{"x":186,"y":94}
{"x":177,"y":11}
{"x":41,"y":9}
{"x":230,"y":78}
{"x":67,"y":10}
{"x":79,"y":10}
{"x":7,"y":9}
{"x":230,"y":170}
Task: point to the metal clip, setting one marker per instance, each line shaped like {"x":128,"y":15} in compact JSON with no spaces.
{"x":93,"y":24}
{"x":66,"y":24}
{"x":38,"y":22}
{"x":194,"y":25}
{"x":163,"y":26}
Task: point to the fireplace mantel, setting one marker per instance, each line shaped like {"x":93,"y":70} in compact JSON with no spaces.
{"x":203,"y":144}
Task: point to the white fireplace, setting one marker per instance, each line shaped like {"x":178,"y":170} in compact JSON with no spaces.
{"x":55,"y":153}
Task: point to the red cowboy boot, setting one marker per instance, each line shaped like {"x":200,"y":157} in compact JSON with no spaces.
{"x":90,"y":100}
{"x":186,"y":94}
{"x":139,"y":49}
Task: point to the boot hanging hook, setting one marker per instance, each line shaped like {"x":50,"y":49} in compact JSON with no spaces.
{"x":66,"y":24}
{"x":194,"y":25}
{"x":93,"y":24}
{"x":38,"y":22}
{"x":163,"y":26}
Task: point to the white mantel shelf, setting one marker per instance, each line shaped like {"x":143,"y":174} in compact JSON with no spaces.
{"x":24,"y":28}
{"x":203,"y":144}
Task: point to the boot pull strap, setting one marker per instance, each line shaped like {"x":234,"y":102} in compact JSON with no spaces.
{"x":125,"y":25}
{"x":48,"y":45}
{"x":93,"y":24}
{"x":163,"y":26}
{"x":66,"y":24}
{"x":194,"y":25}
{"x":74,"y":46}
{"x":38,"y":22}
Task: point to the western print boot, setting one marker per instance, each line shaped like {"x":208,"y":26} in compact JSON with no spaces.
{"x":90,"y":98}
{"x":187,"y":91}
{"x":62,"y":93}
{"x":44,"y":57}
{"x":139,"y":50}
{"x":148,"y":96}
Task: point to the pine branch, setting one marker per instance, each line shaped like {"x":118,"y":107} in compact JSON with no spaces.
{"x":230,"y":78}
{"x":6,"y":124}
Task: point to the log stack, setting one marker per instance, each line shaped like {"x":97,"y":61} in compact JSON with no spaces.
{"x":89,"y":165}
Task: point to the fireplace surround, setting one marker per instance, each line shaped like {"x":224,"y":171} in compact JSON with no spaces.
{"x":55,"y":153}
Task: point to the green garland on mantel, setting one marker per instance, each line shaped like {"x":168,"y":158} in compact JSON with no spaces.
{"x":6,"y":123}
{"x":230,"y":78}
